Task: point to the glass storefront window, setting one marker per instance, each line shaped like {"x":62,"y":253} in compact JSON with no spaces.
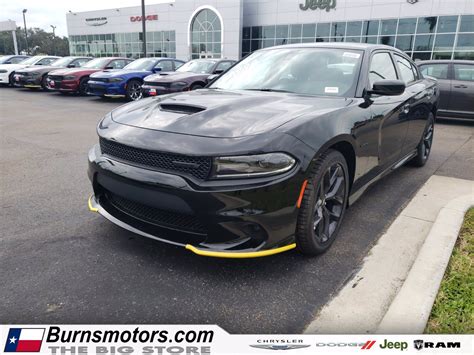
{"x":465,"y":42}
{"x":442,"y":55}
{"x":372,"y":40}
{"x":281,"y":31}
{"x":388,"y":27}
{"x":469,"y":55}
{"x":355,"y":39}
{"x":268,"y":32}
{"x":323,"y":29}
{"x":427,"y":24}
{"x":309,"y":30}
{"x":338,"y":29}
{"x":387,"y":40}
{"x":354,"y":28}
{"x":421,"y":55}
{"x":246,"y":33}
{"x":444,"y":42}
{"x":447,"y":24}
{"x":257,"y":32}
{"x":295,"y":31}
{"x":371,"y":28}
{"x":467,"y":23}
{"x":404,"y":43}
{"x":423,"y":43}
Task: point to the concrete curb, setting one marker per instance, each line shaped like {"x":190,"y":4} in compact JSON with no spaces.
{"x":411,"y":308}
{"x":361,"y":305}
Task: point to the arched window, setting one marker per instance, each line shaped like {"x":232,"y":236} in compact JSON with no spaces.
{"x":206,"y":34}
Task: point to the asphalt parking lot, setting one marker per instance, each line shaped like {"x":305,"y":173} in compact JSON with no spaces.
{"x":60,"y":263}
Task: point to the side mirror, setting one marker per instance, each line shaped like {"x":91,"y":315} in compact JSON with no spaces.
{"x":156,"y":70}
{"x":388,"y":88}
{"x":71,"y":65}
{"x":211,"y":78}
{"x":218,"y":71}
{"x":109,"y":67}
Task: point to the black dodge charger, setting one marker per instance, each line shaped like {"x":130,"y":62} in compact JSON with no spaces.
{"x":269,"y":155}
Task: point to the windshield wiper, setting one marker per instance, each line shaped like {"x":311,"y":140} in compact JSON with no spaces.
{"x":271,"y":90}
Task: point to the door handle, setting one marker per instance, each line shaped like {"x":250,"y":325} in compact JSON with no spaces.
{"x":460,"y":86}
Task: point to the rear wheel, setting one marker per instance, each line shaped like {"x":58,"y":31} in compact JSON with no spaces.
{"x":323,"y":205}
{"x":424,"y":147}
{"x":134,"y":90}
{"x":82,"y":90}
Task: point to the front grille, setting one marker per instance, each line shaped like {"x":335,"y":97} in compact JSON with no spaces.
{"x":56,"y":77}
{"x":102,"y":80}
{"x":154,"y":83}
{"x":156,"y":216}
{"x":198,"y":167}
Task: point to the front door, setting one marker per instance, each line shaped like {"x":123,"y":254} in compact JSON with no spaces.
{"x":462,"y":91}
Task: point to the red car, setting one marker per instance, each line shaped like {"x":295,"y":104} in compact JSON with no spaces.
{"x":75,"y":79}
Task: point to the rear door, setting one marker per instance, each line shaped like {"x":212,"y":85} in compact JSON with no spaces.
{"x":387,"y":110}
{"x":440,"y":71}
{"x":462,"y":94}
{"x":417,"y":95}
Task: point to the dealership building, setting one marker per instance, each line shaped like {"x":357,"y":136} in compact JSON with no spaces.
{"x":185,"y":29}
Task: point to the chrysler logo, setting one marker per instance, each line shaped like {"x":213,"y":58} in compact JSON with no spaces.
{"x":280,"y":347}
{"x":96,"y":21}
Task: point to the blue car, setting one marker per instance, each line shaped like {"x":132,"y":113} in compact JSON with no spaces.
{"x":128,"y":81}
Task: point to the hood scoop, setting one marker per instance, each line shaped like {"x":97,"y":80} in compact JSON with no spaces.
{"x":184,"y":109}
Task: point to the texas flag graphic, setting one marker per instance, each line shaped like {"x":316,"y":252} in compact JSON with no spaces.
{"x":24,"y":340}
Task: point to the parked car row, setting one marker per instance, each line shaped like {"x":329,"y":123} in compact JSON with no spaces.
{"x":111,"y":76}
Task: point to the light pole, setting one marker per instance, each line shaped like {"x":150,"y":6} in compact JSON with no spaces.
{"x":54,"y":39}
{"x":26,"y":33}
{"x":143,"y":28}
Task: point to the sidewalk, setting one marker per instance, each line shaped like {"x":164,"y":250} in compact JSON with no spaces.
{"x":361,"y":305}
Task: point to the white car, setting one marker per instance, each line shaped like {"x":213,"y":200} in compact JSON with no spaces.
{"x":8,"y":70}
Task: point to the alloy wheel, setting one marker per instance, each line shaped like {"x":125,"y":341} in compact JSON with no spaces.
{"x":135,"y":91}
{"x":428,"y":141}
{"x":329,"y":203}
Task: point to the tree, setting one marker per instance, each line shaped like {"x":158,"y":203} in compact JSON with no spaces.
{"x":39,"y":41}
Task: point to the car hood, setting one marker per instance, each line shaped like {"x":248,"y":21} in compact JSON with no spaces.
{"x":167,"y":77}
{"x":223,"y":114}
{"x":12,"y":67}
{"x":73,"y":71}
{"x":38,"y":68}
{"x":120,"y":72}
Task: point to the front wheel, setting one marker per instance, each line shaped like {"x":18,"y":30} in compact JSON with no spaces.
{"x":424,"y":147}
{"x":82,"y":90}
{"x":323,"y":205}
{"x":134,"y":90}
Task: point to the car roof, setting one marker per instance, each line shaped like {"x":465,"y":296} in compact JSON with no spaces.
{"x":444,"y":61}
{"x":338,"y":45}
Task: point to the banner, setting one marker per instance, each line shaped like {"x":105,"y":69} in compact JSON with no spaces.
{"x":211,"y":339}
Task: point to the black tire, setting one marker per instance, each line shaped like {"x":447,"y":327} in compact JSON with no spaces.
{"x":10,"y":79}
{"x":82,"y":89}
{"x":134,"y":90}
{"x":424,"y":147}
{"x":322,"y":209}
{"x":196,"y":86}
{"x":43,"y":83}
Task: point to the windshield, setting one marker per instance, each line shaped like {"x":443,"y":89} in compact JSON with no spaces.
{"x":30,"y":61}
{"x":197,"y":66}
{"x":4,"y":58}
{"x":63,"y":62}
{"x":308,"y":71}
{"x":97,"y":63}
{"x":142,"y":64}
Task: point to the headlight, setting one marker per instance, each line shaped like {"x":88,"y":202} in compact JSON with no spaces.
{"x":252,"y":165}
{"x":115,"y":80}
{"x":178,"y":85}
{"x":3,"y":71}
{"x":69,"y":77}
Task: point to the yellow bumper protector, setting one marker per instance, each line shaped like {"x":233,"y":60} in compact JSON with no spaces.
{"x":239,"y":255}
{"x":91,"y":208}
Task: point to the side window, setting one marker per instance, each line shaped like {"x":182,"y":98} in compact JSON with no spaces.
{"x":16,"y":60}
{"x":117,"y":64}
{"x":223,"y":66}
{"x":165,"y":65}
{"x":46,"y":61}
{"x":80,"y":62}
{"x":177,"y":64}
{"x":381,"y":68}
{"x":438,"y":71}
{"x":464,"y":72}
{"x":406,"y":69}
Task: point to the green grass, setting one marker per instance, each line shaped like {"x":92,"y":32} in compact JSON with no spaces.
{"x":453,"y":311}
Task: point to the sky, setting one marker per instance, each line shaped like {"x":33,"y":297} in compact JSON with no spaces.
{"x":44,"y":13}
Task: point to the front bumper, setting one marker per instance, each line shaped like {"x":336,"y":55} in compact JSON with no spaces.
{"x":99,"y":88}
{"x":148,"y":90}
{"x":4,"y":78}
{"x":62,"y":85}
{"x":26,"y":81}
{"x":232,"y":222}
